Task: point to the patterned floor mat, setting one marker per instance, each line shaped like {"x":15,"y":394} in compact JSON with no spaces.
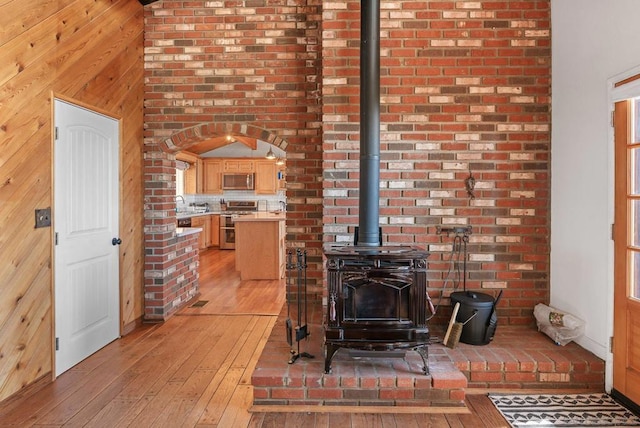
{"x":575,"y":410}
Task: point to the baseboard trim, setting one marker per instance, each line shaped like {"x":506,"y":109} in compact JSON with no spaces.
{"x":17,"y":397}
{"x":625,"y":401}
{"x":357,"y":409}
{"x":128,"y":328}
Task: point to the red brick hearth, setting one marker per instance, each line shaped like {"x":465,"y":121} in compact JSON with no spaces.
{"x":517,"y":358}
{"x":523,"y":358}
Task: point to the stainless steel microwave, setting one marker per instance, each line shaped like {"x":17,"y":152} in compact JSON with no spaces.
{"x":238,"y":181}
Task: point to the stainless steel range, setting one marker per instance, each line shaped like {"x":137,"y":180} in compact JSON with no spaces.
{"x":227,"y":225}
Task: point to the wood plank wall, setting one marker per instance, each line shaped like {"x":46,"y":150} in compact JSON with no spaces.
{"x":88,"y":51}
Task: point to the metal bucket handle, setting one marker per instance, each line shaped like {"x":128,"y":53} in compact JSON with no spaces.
{"x":475,"y":312}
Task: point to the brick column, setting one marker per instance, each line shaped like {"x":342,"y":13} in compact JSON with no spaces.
{"x":171,"y":263}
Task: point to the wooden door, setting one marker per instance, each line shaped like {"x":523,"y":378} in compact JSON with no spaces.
{"x":86,"y":196}
{"x":626,"y":341}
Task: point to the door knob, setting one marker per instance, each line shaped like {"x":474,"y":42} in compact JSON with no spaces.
{"x":116,"y":241}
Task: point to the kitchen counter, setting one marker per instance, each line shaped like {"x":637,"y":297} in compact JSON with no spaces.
{"x":261,"y":216}
{"x":189,"y":214}
{"x":184,"y":231}
{"x":253,"y":216}
{"x":260,"y":245}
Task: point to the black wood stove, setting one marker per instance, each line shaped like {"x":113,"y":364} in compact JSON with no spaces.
{"x":377,"y":300}
{"x":377,"y":295}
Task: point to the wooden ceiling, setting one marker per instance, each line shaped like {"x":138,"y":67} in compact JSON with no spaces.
{"x":217,"y":142}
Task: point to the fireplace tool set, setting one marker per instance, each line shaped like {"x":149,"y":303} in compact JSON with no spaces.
{"x":476,"y":310}
{"x":458,"y":254}
{"x":300,"y":281}
{"x":458,"y":250}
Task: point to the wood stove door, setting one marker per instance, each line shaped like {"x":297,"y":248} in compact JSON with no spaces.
{"x":376,"y":296}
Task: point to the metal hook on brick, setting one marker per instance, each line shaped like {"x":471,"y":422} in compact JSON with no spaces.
{"x":470,"y":185}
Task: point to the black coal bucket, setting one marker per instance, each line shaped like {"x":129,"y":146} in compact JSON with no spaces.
{"x":478,"y":314}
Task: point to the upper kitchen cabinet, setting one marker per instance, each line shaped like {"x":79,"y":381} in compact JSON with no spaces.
{"x":266,"y":177}
{"x":190,"y":181}
{"x":212,"y":176}
{"x":239,"y":165}
{"x":282,"y":181}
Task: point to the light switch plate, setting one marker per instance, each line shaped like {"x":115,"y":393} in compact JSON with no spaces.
{"x":43,"y":217}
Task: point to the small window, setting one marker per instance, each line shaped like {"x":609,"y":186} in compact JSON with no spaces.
{"x":179,"y":182}
{"x":181,"y":167}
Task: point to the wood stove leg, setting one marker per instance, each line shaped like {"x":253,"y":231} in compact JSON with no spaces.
{"x":424,"y":353}
{"x":330,"y":350}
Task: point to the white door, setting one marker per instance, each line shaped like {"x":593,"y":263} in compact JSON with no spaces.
{"x":86,"y":210}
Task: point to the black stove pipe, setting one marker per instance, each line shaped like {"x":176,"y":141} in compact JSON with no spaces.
{"x":369,"y":219}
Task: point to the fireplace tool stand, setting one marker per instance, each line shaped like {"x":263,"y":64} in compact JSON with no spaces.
{"x":458,"y":251}
{"x":301,"y":330}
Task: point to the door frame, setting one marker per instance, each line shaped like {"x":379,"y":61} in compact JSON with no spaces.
{"x":70,"y":100}
{"x":630,"y":89}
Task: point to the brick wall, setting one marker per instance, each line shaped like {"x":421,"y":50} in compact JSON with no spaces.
{"x":250,"y":68}
{"x":465,"y":87}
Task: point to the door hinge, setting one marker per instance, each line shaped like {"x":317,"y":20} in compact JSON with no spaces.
{"x":613,"y":119}
{"x":57,"y":343}
{"x":613,"y":231}
{"x":611,"y":344}
{"x":56,"y":238}
{"x":56,"y":133}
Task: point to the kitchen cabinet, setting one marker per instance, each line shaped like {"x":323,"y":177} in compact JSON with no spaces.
{"x":282,"y":247}
{"x":282,"y":181}
{"x":199,"y":177}
{"x":205,"y":175}
{"x":204,"y":239}
{"x":260,"y":245}
{"x":215,"y":231}
{"x":238,"y":165}
{"x":212,"y":176}
{"x":266,"y":177}
{"x":190,"y":180}
{"x":210,"y":235}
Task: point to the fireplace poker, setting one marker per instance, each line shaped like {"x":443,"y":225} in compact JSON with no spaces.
{"x":458,"y":251}
{"x":302,"y":331}
{"x":288,"y":323}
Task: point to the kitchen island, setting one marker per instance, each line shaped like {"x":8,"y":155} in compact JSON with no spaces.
{"x":260,"y":245}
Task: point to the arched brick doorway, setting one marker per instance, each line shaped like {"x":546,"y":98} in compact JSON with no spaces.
{"x":171,"y":262}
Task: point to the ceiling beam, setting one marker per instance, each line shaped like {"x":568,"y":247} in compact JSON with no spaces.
{"x":221,"y":141}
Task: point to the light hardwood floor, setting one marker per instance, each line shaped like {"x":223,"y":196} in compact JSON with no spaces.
{"x":195,"y":371}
